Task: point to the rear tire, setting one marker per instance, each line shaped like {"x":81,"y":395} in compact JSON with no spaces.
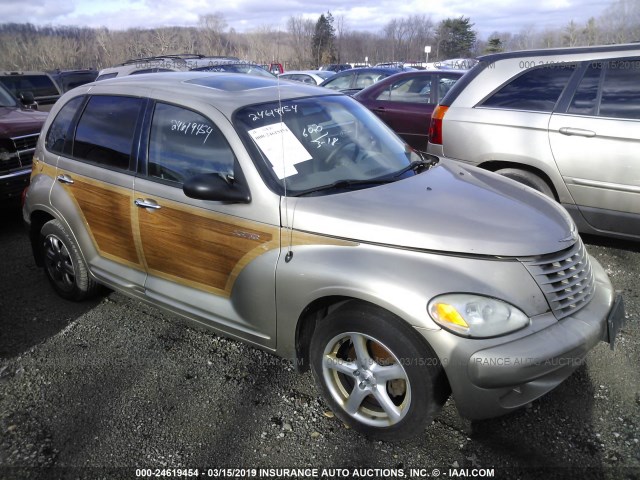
{"x":63,"y":264}
{"x":376,"y":373}
{"x":527,"y":178}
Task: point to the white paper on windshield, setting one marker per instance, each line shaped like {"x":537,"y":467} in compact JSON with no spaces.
{"x":281,"y":147}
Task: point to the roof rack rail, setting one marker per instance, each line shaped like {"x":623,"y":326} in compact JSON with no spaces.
{"x":174,"y":56}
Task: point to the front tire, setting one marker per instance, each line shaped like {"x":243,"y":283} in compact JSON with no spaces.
{"x":378,"y":376}
{"x":63,"y":264}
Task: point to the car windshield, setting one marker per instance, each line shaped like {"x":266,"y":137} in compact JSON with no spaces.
{"x":236,"y":68}
{"x":6,"y":99}
{"x":324,"y":74}
{"x":304,"y":144}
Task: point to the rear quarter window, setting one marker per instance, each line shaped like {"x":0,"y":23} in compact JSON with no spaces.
{"x":537,"y":89}
{"x":58,"y":138}
{"x":609,"y":89}
{"x":621,"y":90}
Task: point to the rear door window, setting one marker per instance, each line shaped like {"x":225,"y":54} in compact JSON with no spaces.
{"x":105,"y":132}
{"x":536,"y":90}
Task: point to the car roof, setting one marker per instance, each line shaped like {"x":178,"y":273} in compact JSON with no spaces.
{"x":559,"y":51}
{"x":226,"y":91}
{"x":547,"y":56}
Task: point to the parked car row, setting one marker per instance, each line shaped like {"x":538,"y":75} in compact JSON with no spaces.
{"x":42,"y":89}
{"x":353,"y":80}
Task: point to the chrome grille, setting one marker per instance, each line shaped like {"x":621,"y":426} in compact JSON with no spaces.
{"x":25,"y":147}
{"x":565,"y":277}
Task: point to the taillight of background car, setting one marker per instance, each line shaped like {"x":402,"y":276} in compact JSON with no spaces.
{"x":435,"y":127}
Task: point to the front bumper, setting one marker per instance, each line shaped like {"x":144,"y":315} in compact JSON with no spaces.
{"x":492,"y":377}
{"x":13,"y":183}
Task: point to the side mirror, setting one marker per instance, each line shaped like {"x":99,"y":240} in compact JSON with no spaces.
{"x":28,"y":100}
{"x":216,"y":187}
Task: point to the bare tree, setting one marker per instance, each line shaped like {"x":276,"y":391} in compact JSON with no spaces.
{"x":300,"y":35}
{"x":212,"y":27}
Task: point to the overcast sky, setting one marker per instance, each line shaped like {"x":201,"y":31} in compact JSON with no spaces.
{"x":244,"y":15}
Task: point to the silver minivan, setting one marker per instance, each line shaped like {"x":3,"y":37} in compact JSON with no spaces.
{"x":563,"y":121}
{"x":291,"y":218}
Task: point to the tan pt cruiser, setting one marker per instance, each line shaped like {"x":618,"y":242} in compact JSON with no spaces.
{"x":291,"y":218}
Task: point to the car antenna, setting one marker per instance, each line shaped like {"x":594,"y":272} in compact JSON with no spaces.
{"x":289,"y":254}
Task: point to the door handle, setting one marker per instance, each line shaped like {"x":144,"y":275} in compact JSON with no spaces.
{"x":64,"y":178}
{"x":579,"y":132}
{"x":139,"y":202}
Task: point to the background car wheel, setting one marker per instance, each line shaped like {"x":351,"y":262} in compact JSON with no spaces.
{"x":376,"y":373}
{"x":527,"y":178}
{"x":64,"y":265}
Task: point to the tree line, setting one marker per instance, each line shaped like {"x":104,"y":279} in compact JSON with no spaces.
{"x":303,"y":43}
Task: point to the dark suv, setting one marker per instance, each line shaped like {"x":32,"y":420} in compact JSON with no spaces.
{"x":19,"y":131}
{"x":37,"y":84}
{"x":69,"y":79}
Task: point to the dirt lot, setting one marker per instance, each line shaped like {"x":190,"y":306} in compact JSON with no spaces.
{"x":100,"y":389}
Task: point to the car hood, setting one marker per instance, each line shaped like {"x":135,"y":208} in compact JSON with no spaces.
{"x":451,"y":208}
{"x":15,"y":122}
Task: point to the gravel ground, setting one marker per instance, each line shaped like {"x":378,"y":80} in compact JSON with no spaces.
{"x":98,"y":389}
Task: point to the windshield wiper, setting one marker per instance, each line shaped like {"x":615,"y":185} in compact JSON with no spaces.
{"x":344,"y":184}
{"x":425,"y":163}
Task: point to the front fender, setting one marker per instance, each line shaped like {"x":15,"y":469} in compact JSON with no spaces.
{"x":398,"y":280}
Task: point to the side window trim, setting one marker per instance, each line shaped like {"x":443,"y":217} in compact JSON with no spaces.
{"x":68,"y":146}
{"x":569,"y":92}
{"x":141,"y":140}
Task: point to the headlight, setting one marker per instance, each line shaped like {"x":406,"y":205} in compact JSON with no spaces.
{"x":475,"y":315}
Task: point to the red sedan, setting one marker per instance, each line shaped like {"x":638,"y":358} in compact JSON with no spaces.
{"x":405,"y":101}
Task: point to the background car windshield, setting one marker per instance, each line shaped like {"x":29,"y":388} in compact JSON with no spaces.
{"x":6,"y":99}
{"x":312,"y":142}
{"x":236,"y":68}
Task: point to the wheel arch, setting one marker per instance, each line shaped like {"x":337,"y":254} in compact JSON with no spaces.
{"x":38,"y":219}
{"x":306,"y":325}
{"x":495,"y":165}
{"x":319,"y":309}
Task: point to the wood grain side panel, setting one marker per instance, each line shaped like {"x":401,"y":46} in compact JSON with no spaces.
{"x":200,"y":248}
{"x":40,"y":168}
{"x":107,"y":213}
